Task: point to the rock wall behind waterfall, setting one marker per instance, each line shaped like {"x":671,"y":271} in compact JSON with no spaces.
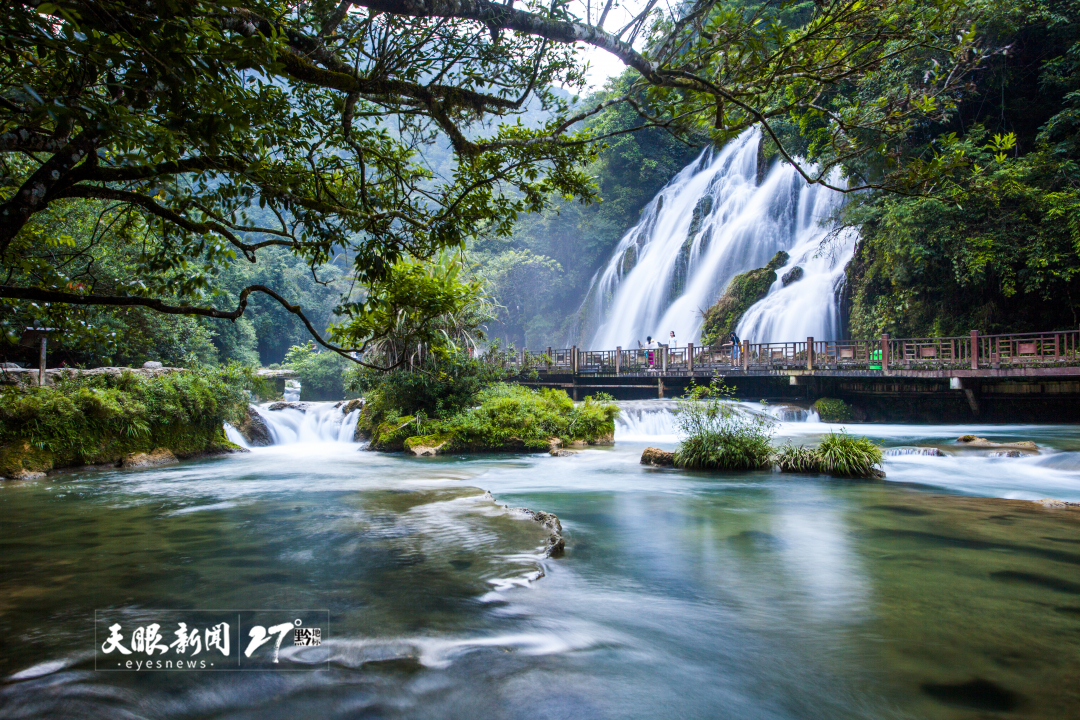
{"x":717,"y":218}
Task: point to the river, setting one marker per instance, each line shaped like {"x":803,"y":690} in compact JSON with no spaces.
{"x":940,"y":593}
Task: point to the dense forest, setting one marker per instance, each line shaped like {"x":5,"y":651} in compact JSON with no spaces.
{"x":996,"y":247}
{"x":985,"y":235}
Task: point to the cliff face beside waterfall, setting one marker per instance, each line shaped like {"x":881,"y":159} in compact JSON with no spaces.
{"x":722,"y":215}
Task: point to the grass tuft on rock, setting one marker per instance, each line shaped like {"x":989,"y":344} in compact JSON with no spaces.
{"x":839,"y":454}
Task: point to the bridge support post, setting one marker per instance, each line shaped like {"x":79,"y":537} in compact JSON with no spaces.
{"x":663,"y":359}
{"x":745,"y":355}
{"x":809,"y":353}
{"x":573,"y":361}
{"x":660,"y":387}
{"x":974,"y":349}
{"x":885,"y":354}
{"x":549,"y":356}
{"x":690,"y":357}
{"x":618,"y":359}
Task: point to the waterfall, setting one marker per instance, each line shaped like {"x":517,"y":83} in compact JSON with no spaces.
{"x":710,"y":223}
{"x":302,"y":422}
{"x":654,"y":420}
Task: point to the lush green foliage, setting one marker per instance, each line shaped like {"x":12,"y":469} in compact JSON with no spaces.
{"x":997,"y":246}
{"x":838,"y":454}
{"x":99,"y":418}
{"x":743,"y":291}
{"x":717,"y":434}
{"x":437,"y":386}
{"x":832,"y":410}
{"x":321,"y":374}
{"x":215,"y":133}
{"x":504,"y":417}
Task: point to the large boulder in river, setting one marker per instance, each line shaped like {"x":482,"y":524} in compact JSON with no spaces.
{"x":743,"y":291}
{"x":658,"y":457}
{"x":255,"y":430}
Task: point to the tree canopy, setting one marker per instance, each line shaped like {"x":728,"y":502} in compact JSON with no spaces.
{"x":210,"y":133}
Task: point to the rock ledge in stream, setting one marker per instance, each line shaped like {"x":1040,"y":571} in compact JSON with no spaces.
{"x":254,"y":429}
{"x":658,"y":457}
{"x":555,"y":543}
{"x":155,"y":458}
{"x":978,"y":442}
{"x":290,"y":405}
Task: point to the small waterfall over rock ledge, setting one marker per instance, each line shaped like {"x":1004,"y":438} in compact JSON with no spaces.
{"x":714,"y":220}
{"x":295,"y":422}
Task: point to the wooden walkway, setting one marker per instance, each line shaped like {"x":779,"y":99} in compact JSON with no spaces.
{"x":1049,"y":354}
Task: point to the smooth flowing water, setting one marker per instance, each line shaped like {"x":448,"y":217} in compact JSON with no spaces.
{"x":713,"y":221}
{"x":680,"y":595}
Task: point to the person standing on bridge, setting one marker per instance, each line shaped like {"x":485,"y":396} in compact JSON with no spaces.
{"x":734,"y":346}
{"x":650,"y":351}
{"x":671,"y":340}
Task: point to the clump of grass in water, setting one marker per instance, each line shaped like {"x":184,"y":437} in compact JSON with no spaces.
{"x":797,"y":459}
{"x":720,"y":435}
{"x":838,"y":454}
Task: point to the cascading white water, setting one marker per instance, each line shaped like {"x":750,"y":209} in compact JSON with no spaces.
{"x":710,"y":223}
{"x":654,"y":420}
{"x":302,"y":422}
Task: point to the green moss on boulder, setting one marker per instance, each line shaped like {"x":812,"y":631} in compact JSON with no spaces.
{"x":833,"y":410}
{"x":743,"y":291}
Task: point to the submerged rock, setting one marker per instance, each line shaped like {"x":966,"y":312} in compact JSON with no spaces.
{"x":254,"y":429}
{"x":658,"y":457}
{"x":793,"y":275}
{"x":558,"y":452}
{"x":555,"y":542}
{"x":155,"y":458}
{"x":1008,"y":453}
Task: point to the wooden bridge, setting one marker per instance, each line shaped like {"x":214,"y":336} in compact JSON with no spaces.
{"x":965,"y":368}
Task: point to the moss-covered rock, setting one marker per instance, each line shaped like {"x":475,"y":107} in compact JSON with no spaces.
{"x":391,"y":434}
{"x":426,"y":445}
{"x":21,"y":459}
{"x":743,"y":291}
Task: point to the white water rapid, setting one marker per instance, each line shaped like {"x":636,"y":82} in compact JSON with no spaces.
{"x":302,"y":422}
{"x":710,"y":223}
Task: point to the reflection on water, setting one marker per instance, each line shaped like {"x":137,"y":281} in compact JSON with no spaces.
{"x":749,"y":595}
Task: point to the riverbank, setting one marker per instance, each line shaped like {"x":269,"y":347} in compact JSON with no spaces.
{"x":117,"y":416}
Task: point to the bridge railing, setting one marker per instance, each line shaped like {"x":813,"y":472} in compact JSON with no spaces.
{"x":972,"y":351}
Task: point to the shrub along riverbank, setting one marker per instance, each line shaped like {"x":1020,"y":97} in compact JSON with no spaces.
{"x":106,"y":419}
